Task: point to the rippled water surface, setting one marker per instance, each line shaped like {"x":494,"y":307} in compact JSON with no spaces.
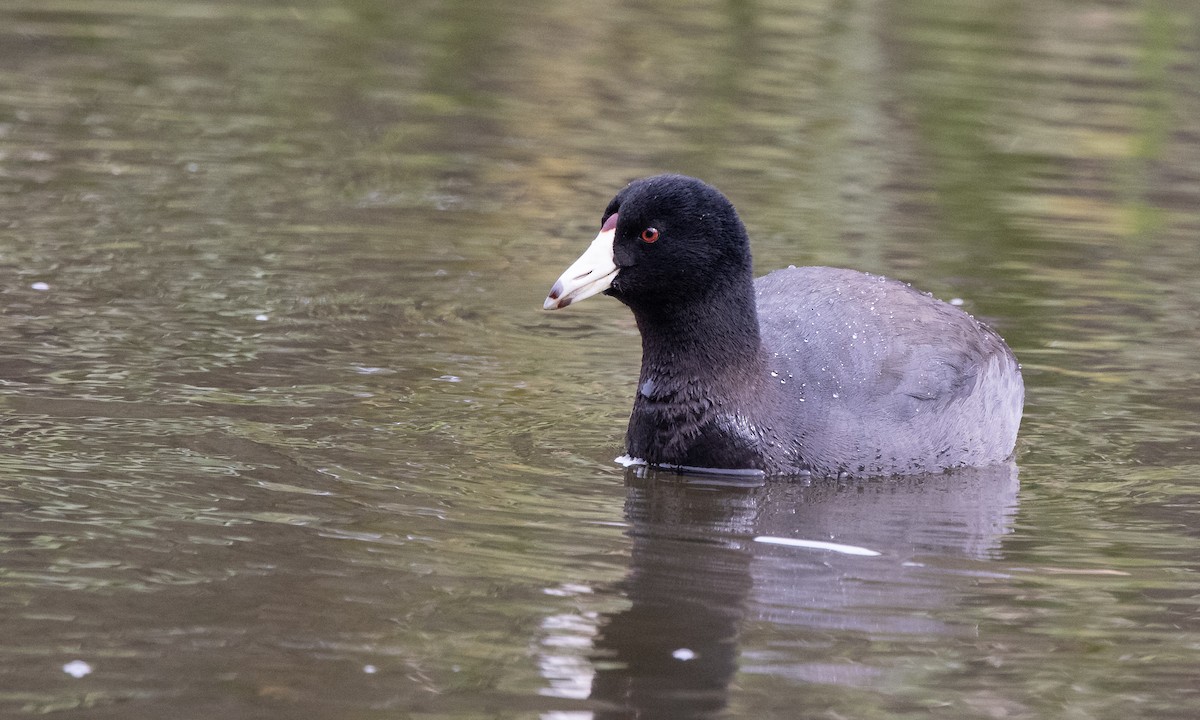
{"x":286,"y":433}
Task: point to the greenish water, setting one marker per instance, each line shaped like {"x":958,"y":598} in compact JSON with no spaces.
{"x":286,"y":433}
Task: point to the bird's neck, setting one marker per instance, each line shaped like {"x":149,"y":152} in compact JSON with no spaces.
{"x":696,"y":344}
{"x":702,"y":367}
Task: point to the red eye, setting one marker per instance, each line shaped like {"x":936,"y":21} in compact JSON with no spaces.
{"x":650,"y":235}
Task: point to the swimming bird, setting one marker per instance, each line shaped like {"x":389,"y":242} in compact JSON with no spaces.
{"x":807,"y":370}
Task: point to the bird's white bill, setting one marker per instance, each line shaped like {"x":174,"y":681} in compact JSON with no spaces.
{"x":592,"y":273}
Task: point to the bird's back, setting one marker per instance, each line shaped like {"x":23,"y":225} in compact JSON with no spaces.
{"x":869,"y":376}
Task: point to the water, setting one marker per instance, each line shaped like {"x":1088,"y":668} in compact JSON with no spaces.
{"x":287,"y":433}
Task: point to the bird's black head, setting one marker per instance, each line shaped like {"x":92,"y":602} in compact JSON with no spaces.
{"x":665,"y":242}
{"x":677,"y":240}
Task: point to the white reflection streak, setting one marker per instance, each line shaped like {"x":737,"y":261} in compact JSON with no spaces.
{"x":562,"y":654}
{"x":817,"y":545}
{"x":561,"y":658}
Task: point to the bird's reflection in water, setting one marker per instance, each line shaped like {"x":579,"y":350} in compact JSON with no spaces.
{"x":706,"y":566}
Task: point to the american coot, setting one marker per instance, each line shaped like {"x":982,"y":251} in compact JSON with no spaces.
{"x":806,"y":370}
